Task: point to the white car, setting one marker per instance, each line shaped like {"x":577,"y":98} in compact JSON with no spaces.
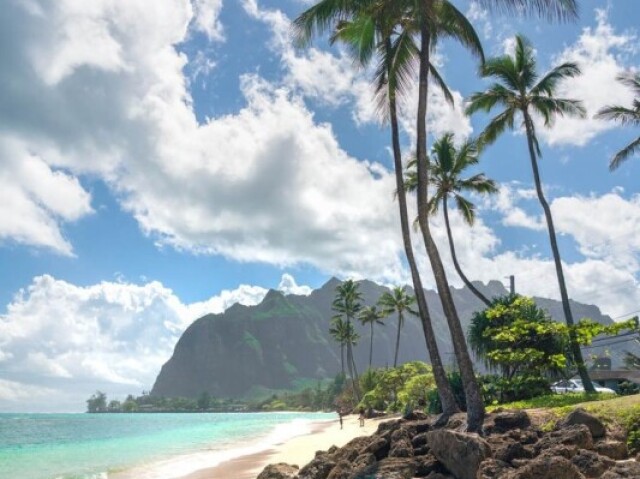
{"x":575,"y":386}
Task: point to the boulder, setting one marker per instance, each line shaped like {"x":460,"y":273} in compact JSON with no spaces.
{"x":419,"y":440}
{"x":507,"y":420}
{"x":318,"y":468}
{"x":342,"y":470}
{"x":509,"y":451}
{"x":623,"y":470}
{"x":425,"y":465}
{"x":548,"y":467}
{"x":279,"y":471}
{"x":580,"y":416}
{"x":390,"y":468}
{"x":591,"y":464}
{"x":461,"y":453}
{"x":616,"y":450}
{"x":576,"y":435}
{"x":493,"y":469}
{"x":401,"y":448}
{"x":378,"y":446}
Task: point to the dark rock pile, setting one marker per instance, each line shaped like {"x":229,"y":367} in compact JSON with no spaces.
{"x":511,"y":448}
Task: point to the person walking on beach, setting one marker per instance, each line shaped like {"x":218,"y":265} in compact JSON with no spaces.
{"x":361,"y":418}
{"x":340,"y":415}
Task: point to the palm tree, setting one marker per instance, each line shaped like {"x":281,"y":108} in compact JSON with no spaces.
{"x":341,"y":333}
{"x":348,"y":304}
{"x":368,"y":28}
{"x":371,"y":316}
{"x":397,"y":301}
{"x":521,"y":93}
{"x":436,"y":19}
{"x":447,"y":165}
{"x":625,"y":116}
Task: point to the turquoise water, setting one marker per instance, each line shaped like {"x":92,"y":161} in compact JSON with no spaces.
{"x":153,"y":446}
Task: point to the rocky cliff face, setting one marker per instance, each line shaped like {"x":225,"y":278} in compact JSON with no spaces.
{"x":285,"y":339}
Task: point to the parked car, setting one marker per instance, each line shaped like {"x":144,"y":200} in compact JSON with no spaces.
{"x":575,"y":386}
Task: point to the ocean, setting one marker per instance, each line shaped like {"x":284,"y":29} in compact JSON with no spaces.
{"x":140,"y":446}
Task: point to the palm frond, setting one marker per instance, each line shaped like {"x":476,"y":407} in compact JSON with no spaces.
{"x":497,"y":126}
{"x":359,"y":36}
{"x":624,"y":154}
{"x":504,"y":68}
{"x":496,"y":94}
{"x":466,"y":209}
{"x":625,"y":116}
{"x":435,"y":76}
{"x":547,"y":85}
{"x":552,"y":10}
{"x":455,"y":25}
{"x":549,"y":108}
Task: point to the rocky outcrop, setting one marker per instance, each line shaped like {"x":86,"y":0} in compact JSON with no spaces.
{"x":279,"y":471}
{"x":459,"y":452}
{"x":580,"y":416}
{"x":512,"y":448}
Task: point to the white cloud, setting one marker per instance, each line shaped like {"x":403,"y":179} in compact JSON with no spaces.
{"x":206,"y":18}
{"x":59,"y":341}
{"x":506,"y":202}
{"x":480,"y":18}
{"x":602,"y":54}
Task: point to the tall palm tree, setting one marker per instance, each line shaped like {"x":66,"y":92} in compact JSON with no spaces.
{"x":625,"y":116}
{"x":448,"y":163}
{"x":371,"y":316}
{"x":342,"y":334}
{"x":521,"y":92}
{"x":436,"y":19}
{"x":348,"y":304}
{"x":400,"y":302}
{"x":369,"y":28}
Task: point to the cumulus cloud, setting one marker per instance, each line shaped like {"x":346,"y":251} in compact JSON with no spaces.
{"x":60,"y":341}
{"x":602,"y":53}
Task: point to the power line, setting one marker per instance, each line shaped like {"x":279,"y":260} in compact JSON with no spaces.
{"x":610,"y":344}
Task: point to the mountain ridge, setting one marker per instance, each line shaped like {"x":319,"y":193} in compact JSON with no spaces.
{"x":284,"y":340}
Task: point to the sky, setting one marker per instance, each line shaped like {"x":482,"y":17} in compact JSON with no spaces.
{"x":164,"y":159}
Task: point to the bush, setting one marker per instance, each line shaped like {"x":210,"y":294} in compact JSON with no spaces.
{"x":499,"y":390}
{"x":434,"y":406}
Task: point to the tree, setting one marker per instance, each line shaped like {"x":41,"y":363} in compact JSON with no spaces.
{"x":436,"y":19}
{"x":343,"y":333}
{"x":520,"y":92}
{"x":371,"y":316}
{"x":397,"y":301}
{"x":348,"y":304}
{"x":625,"y":116}
{"x":368,"y":28}
{"x":97,"y":402}
{"x":204,"y":401}
{"x":448,"y":163}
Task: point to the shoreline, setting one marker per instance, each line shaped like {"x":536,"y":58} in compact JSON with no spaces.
{"x":298,"y":450}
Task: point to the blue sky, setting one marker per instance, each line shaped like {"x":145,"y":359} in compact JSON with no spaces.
{"x":163,"y":159}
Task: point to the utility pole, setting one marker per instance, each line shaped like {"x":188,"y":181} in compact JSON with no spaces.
{"x":512,"y":284}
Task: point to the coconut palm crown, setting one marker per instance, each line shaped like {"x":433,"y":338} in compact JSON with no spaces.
{"x":522,"y":94}
{"x":400,"y":302}
{"x":625,"y":116}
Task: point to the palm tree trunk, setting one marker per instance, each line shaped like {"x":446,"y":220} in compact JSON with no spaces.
{"x":351,"y":365}
{"x":371,"y":348}
{"x":465,"y":280}
{"x":342,"y":358}
{"x":395,"y":358}
{"x":566,"y":307}
{"x":475,"y":406}
{"x":447,"y":399}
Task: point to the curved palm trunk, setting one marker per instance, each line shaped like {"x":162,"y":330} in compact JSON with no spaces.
{"x":465,"y":280}
{"x":342,"y":358}
{"x":568,"y":315}
{"x":447,"y":399}
{"x":475,"y":406}
{"x":371,"y":348}
{"x":395,"y":358}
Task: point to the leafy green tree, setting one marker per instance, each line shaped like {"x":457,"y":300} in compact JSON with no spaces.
{"x":521,"y":92}
{"x":371,"y":316}
{"x":97,"y":402}
{"x":348,"y":304}
{"x":447,"y":166}
{"x":114,"y":405}
{"x":400,"y":302}
{"x":370,"y":28}
{"x":625,"y":116}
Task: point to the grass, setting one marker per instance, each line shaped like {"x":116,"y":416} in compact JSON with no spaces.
{"x":617,"y":412}
{"x":553,"y":401}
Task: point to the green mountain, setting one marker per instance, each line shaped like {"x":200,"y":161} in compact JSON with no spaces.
{"x":284,"y":341}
